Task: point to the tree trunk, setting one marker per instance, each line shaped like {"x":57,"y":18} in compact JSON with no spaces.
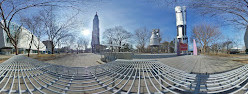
{"x":120,"y":46}
{"x":77,"y":50}
{"x":52,"y":47}
{"x":204,"y":49}
{"x":16,"y":49}
{"x":30,"y":45}
{"x":38,"y":49}
{"x":246,"y":39}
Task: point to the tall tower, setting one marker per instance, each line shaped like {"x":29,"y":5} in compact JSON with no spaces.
{"x":181,"y":25}
{"x":95,"y":44}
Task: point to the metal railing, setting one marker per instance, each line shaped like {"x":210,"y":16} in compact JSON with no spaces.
{"x":25,"y":75}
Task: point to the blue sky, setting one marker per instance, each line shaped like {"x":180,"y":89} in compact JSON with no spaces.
{"x":134,"y":14}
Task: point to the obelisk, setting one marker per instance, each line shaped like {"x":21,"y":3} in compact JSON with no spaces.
{"x":194,"y":48}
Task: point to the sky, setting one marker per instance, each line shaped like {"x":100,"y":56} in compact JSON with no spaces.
{"x":134,"y":14}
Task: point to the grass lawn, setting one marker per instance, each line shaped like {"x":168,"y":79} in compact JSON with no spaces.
{"x":228,"y":55}
{"x":46,"y":57}
{"x":4,"y":57}
{"x":243,"y":58}
{"x":41,"y":57}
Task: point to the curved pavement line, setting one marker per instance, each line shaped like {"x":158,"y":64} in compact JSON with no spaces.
{"x":21,"y":74}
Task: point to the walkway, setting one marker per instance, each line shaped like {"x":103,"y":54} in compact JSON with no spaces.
{"x":77,"y":60}
{"x":194,"y":64}
{"x":21,"y":74}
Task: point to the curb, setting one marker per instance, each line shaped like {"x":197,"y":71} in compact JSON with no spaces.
{"x":100,"y":62}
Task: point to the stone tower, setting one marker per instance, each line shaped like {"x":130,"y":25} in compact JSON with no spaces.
{"x":95,"y":44}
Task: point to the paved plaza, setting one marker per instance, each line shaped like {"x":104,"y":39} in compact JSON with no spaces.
{"x":187,"y":63}
{"x":21,"y":74}
{"x":194,"y":64}
{"x":77,"y":60}
{"x":201,"y":63}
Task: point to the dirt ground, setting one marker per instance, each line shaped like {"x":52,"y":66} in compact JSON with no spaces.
{"x":242,"y":58}
{"x":5,"y":57}
{"x":47,"y":57}
{"x":41,"y":57}
{"x":77,"y":60}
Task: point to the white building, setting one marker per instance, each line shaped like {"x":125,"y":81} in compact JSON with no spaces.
{"x":25,"y":37}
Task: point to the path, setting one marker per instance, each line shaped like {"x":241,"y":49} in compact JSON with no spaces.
{"x":77,"y":60}
{"x":195,"y":64}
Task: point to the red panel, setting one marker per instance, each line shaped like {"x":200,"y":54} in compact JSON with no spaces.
{"x":183,"y":47}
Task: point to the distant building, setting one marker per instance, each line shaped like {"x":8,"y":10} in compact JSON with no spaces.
{"x":23,"y":41}
{"x":48,"y":46}
{"x":95,"y":44}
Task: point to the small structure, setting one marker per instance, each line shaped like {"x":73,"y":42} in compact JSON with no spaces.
{"x":155,"y":40}
{"x":48,"y":45}
{"x":194,"y":47}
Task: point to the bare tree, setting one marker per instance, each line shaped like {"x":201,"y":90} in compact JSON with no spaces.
{"x":233,"y":11}
{"x":83,"y":42}
{"x":79,"y":44}
{"x":117,"y":35}
{"x":56,"y":29}
{"x":227,"y":44}
{"x":165,"y":46}
{"x":205,"y":34}
{"x":10,"y":8}
{"x":215,"y":48}
{"x":108,"y":35}
{"x":34,"y":24}
{"x":141,"y":36}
